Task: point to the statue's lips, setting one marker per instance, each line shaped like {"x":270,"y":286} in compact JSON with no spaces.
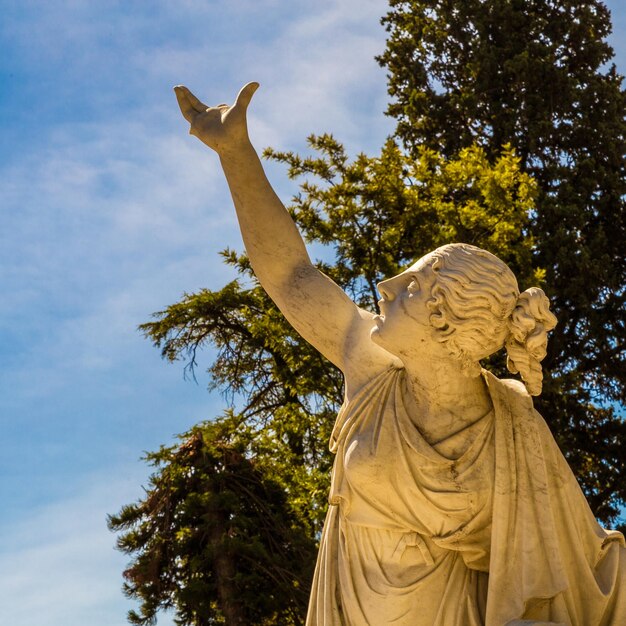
{"x":379,"y":318}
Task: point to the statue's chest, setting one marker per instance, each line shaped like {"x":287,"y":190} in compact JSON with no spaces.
{"x":387,"y":475}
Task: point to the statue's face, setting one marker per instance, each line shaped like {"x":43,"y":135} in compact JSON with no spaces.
{"x":403,"y":326}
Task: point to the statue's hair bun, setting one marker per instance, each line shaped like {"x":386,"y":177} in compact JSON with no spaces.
{"x":526,"y":343}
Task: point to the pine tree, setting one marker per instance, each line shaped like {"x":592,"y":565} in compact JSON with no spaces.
{"x":215,"y":538}
{"x":537,"y":75}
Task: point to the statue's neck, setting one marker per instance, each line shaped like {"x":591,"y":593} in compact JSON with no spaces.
{"x":441,"y":397}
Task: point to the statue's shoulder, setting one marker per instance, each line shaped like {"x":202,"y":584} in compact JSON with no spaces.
{"x":513,"y":389}
{"x":512,"y":396}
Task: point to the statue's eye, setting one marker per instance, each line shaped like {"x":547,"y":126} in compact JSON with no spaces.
{"x":413,"y":286}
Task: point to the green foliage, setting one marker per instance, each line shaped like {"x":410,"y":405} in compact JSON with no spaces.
{"x":381,"y":213}
{"x":374,"y":215}
{"x":536,"y":75}
{"x":216,"y":526}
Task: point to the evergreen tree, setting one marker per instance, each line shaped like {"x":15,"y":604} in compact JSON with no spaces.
{"x":215,"y":538}
{"x":377,"y":214}
{"x":536,"y":74}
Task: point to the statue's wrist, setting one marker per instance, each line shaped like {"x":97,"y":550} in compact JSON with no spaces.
{"x":235,"y":149}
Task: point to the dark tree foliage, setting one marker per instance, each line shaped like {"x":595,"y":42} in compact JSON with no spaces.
{"x":224,"y":533}
{"x":214,"y":528}
{"x":536,"y":74}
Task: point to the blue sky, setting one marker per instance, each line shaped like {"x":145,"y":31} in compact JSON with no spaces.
{"x":110,"y":211}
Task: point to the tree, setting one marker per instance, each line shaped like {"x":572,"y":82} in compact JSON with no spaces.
{"x":196,"y":536}
{"x":535,"y":75}
{"x":216,"y":527}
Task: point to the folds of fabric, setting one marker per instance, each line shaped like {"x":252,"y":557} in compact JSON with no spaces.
{"x":404,"y":521}
{"x":501,"y":535}
{"x":551,"y":562}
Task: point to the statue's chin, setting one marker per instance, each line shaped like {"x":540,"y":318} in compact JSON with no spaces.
{"x":375,"y":335}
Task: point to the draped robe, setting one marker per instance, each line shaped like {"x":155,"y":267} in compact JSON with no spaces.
{"x":501,"y":535}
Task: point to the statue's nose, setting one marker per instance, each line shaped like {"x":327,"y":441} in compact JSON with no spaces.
{"x":385,"y":290}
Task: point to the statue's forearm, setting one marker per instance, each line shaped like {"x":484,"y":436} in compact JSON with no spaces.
{"x":270,"y":236}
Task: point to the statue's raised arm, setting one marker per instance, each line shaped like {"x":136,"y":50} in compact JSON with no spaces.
{"x":317,"y":308}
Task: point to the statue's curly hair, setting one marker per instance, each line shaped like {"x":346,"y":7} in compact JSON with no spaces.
{"x":476,"y":309}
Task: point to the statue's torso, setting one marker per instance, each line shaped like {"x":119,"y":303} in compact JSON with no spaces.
{"x":415,"y":518}
{"x":500,"y":534}
{"x":388,"y":476}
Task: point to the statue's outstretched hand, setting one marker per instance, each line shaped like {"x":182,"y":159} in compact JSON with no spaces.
{"x":221,"y":127}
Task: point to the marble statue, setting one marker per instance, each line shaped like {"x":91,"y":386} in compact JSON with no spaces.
{"x":450,"y":504}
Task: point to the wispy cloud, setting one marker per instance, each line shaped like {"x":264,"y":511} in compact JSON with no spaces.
{"x":58,"y":566}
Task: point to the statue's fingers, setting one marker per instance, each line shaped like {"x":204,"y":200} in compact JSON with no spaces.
{"x":189,"y":113}
{"x":189,"y":105}
{"x":199,"y":106}
{"x":245,"y":95}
